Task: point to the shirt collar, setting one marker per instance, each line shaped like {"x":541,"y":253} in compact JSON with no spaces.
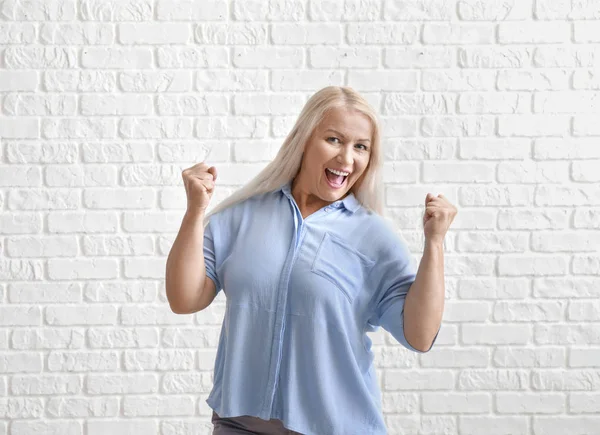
{"x":350,"y":202}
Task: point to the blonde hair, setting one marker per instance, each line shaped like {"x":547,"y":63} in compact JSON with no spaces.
{"x":286,"y":164}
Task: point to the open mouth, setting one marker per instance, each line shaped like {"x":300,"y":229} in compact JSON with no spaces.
{"x":336,"y":179}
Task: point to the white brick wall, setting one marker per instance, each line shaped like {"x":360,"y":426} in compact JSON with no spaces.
{"x":495,"y":103}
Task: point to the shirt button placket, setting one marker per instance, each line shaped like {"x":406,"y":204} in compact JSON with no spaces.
{"x":282,"y":294}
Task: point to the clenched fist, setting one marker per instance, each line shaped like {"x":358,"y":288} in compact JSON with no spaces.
{"x":199,"y":181}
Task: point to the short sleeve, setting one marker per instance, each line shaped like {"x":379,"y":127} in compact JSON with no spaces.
{"x":211,"y":243}
{"x":397,"y":271}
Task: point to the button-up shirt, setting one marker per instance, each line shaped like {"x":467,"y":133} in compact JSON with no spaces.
{"x":301,"y":295}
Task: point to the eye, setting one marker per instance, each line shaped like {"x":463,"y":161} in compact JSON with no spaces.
{"x":362,"y":145}
{"x":329,"y":139}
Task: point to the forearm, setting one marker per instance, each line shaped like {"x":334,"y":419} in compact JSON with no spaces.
{"x":424,"y":305}
{"x":186,"y":272}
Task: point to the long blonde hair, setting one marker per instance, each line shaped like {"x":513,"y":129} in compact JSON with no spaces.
{"x":286,"y":164}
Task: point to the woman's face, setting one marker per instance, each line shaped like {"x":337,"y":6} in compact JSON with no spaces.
{"x":342,"y":143}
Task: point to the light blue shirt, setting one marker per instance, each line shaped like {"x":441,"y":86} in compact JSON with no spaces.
{"x":301,"y":296}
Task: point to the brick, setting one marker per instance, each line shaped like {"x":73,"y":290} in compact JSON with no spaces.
{"x":457,"y":126}
{"x":231,"y":33}
{"x":116,"y":10}
{"x":306,"y":34}
{"x":410,"y":103}
{"x":493,"y":102}
{"x":493,"y":425}
{"x":130,"y":383}
{"x":40,"y":104}
{"x":156,"y":128}
{"x":533,"y":125}
{"x":390,"y":81}
{"x":79,"y":128}
{"x":567,"y":102}
{"x":456,"y":403}
{"x":18,"y":80}
{"x":24,"y":427}
{"x":231,"y":127}
{"x":586,"y":125}
{"x":573,"y":380}
{"x":304,"y":80}
{"x":155,"y":81}
{"x":192,"y":57}
{"x":566,"y":148}
{"x":420,"y":10}
{"x":423,"y":57}
{"x":34,"y":199}
{"x":494,"y":149}
{"x":94,"y":176}
{"x":272,"y":10}
{"x":102,"y":268}
{"x":491,"y":242}
{"x":39,"y":10}
{"x":224,"y":80}
{"x":586,"y":31}
{"x":589,"y":218}
{"x":108,"y":338}
{"x":154,"y":33}
{"x":486,"y":10}
{"x":538,"y":357}
{"x":495,"y":57}
{"x":191,"y":10}
{"x":395,"y":380}
{"x":35,"y":57}
{"x":493,"y":288}
{"x":567,"y":195}
{"x":451,"y":80}
{"x":334,"y":57}
{"x":115,"y":105}
{"x":586,"y":79}
{"x":77,"y":34}
{"x":70,"y":408}
{"x":563,"y":9}
{"x":567,"y":334}
{"x":116,"y":58}
{"x":130,"y":198}
{"x":117,"y":245}
{"x":533,"y":172}
{"x":445,"y":33}
{"x":583,"y":311}
{"x":20,"y":176}
{"x":81,"y":361}
{"x":116,"y":152}
{"x":56,"y":246}
{"x":565,"y":287}
{"x":566,"y":56}
{"x":534,"y":33}
{"x":24,"y":128}
{"x":532,"y":219}
{"x":455,"y":358}
{"x":344,"y":10}
{"x":285,"y":104}
{"x":551,"y":79}
{"x":584,"y":358}
{"x":84,"y":81}
{"x":485,"y":379}
{"x":382,"y":33}
{"x":532,"y":265}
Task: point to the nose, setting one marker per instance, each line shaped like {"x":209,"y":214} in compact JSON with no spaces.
{"x":345,"y":156}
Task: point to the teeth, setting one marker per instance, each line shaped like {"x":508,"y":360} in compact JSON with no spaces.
{"x":344,"y":174}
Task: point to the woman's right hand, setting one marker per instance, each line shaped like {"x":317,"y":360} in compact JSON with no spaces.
{"x":199,"y":181}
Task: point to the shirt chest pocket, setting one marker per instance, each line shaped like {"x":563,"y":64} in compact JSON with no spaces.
{"x":342,"y":265}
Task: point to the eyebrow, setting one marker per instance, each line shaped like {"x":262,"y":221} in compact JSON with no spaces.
{"x":341,"y":134}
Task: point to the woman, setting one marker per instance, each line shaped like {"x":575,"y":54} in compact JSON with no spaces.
{"x":308,"y":266}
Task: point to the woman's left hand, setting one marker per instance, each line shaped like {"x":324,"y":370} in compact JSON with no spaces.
{"x":439,"y":214}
